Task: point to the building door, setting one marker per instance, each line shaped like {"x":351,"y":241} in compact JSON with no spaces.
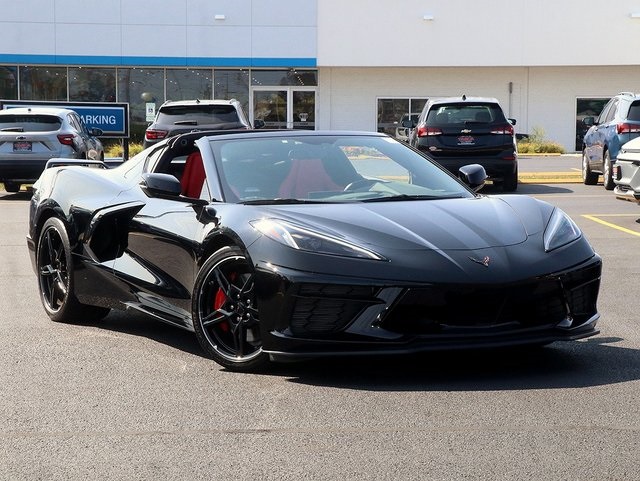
{"x":284,"y":107}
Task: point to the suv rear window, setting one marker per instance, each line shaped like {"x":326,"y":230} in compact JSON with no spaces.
{"x":29,"y":123}
{"x":465,"y":112}
{"x":634,"y":111}
{"x":201,"y":114}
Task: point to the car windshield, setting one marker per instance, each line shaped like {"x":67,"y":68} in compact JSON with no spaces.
{"x":29,"y":123}
{"x":198,"y":114}
{"x":327,"y":168}
{"x":464,"y":113}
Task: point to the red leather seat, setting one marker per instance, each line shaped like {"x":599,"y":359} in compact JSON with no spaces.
{"x":193,"y":176}
{"x":305,"y":176}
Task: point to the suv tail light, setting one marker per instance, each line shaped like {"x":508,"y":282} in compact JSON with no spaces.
{"x":66,"y":139}
{"x":155,"y":134}
{"x":424,"y":131}
{"x":502,"y":130}
{"x":628,"y":128}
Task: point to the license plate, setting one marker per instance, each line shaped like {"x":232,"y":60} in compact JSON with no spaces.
{"x":466,"y":140}
{"x":22,"y":146}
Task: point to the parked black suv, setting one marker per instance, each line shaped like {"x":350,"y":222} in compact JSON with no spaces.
{"x":456,"y":131}
{"x":182,"y":116}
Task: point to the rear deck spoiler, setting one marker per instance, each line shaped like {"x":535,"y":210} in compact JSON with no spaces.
{"x":60,"y":162}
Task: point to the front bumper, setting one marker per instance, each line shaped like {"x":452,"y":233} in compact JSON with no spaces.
{"x":308,"y":316}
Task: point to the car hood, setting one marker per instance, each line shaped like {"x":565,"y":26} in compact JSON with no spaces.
{"x":447,"y":224}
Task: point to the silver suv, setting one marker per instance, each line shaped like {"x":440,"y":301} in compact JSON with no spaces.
{"x":182,"y":116}
{"x":30,"y":136}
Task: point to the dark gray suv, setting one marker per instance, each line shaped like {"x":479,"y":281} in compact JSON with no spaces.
{"x":456,"y":131}
{"x":182,"y":116}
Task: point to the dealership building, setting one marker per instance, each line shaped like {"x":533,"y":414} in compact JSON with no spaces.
{"x":326,"y":64}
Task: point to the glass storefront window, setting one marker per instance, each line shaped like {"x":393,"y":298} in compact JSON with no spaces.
{"x":9,"y":83}
{"x":390,"y":112}
{"x":92,"y":84}
{"x":232,"y":84}
{"x":188,"y":84}
{"x":587,"y":107}
{"x":139,"y":87}
{"x":43,"y":83}
{"x":291,"y":77}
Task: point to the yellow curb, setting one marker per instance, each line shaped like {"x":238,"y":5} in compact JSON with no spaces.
{"x":549,"y":177}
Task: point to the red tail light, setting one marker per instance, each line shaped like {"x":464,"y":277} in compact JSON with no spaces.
{"x":66,"y":139}
{"x":155,"y":134}
{"x":424,"y":131}
{"x":502,"y":130}
{"x":628,"y":128}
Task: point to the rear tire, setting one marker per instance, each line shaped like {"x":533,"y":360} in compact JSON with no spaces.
{"x":510,"y":183}
{"x":55,"y":277}
{"x":588,"y":177}
{"x":12,"y":187}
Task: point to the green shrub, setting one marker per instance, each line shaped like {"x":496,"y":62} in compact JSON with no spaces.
{"x":116,"y":150}
{"x":537,"y":144}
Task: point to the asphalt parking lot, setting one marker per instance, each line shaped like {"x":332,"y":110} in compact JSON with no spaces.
{"x":129,"y":398}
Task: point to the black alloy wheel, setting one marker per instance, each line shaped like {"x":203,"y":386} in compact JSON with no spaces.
{"x":55,"y":277}
{"x":588,"y":177}
{"x":607,"y":174}
{"x":225,"y":314}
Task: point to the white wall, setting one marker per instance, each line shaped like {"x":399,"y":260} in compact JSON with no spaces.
{"x":542,"y":97}
{"x":251,"y":29}
{"x":478,"y":33}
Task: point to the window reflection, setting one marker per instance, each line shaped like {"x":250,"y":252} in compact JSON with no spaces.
{"x":140,"y":86}
{"x":187,"y":84}
{"x":43,"y":83}
{"x":8,"y":82}
{"x":232,"y":84}
{"x":92,"y":84}
{"x":391,"y":111}
{"x":291,"y":77}
{"x":586,"y":109}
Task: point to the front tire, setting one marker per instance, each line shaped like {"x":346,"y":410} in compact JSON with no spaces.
{"x":55,"y":277}
{"x":607,"y":174}
{"x":225,"y":314}
{"x":588,"y":177}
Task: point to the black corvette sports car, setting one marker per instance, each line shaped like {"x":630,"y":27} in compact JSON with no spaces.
{"x":282,"y":244}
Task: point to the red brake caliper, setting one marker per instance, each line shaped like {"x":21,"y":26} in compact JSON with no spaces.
{"x":219,"y":301}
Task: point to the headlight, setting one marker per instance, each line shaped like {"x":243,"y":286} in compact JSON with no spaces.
{"x":308,"y":240}
{"x":560,"y":231}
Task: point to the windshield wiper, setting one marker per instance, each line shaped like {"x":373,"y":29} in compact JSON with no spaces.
{"x":402,"y":197}
{"x":280,"y":201}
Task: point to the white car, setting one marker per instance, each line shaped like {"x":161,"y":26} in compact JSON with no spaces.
{"x":626,"y":172}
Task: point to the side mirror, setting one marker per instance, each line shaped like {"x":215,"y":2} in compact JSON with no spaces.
{"x":473,"y":175}
{"x":512,"y":121}
{"x":408,"y":123}
{"x":95,"y":132}
{"x":258,"y":124}
{"x":588,"y":121}
{"x":160,"y":185}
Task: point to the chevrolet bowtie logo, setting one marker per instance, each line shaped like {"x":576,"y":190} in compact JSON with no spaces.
{"x":484,"y":261}
{"x":465,"y":131}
